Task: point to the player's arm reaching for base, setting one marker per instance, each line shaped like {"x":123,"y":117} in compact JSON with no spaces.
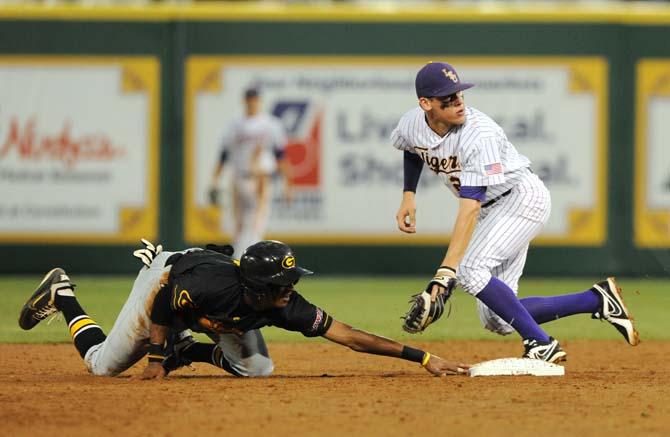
{"x":361,"y":341}
{"x":303,"y":316}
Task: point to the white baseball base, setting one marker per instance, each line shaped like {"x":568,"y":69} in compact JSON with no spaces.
{"x":516,"y":367}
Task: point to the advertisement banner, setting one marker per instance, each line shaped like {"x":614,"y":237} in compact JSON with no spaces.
{"x":78,"y":149}
{"x":339,"y":113}
{"x":652,"y":156}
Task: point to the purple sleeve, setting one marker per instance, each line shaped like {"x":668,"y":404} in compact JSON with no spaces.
{"x":412,"y":165}
{"x":474,"y":193}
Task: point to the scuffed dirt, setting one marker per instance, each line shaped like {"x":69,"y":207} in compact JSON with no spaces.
{"x":323,"y":389}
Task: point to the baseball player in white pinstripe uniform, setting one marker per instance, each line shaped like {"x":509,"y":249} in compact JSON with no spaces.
{"x":255,"y":147}
{"x":502,"y":207}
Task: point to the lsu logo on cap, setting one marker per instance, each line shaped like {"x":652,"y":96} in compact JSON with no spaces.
{"x":451,"y":75}
{"x":288,"y":262}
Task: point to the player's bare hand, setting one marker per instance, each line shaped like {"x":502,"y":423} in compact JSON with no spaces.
{"x":153,"y":370}
{"x":439,"y":367}
{"x":406,"y":216}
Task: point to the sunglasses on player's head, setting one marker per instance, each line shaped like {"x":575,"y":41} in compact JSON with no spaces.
{"x":450,"y":100}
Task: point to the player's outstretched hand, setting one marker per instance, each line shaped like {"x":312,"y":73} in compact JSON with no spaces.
{"x":406,"y":216}
{"x":153,"y":370}
{"x":439,"y":367}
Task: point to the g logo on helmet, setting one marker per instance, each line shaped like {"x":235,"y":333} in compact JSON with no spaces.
{"x":288,"y":262}
{"x":183,"y":300}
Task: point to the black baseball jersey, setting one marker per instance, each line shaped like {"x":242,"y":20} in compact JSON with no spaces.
{"x":204,"y":293}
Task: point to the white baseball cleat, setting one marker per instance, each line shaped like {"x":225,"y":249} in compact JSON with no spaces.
{"x":614,"y":310}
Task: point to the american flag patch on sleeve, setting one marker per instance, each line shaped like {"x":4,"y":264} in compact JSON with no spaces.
{"x":493,"y":169}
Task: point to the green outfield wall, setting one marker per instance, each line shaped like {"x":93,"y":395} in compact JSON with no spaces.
{"x":624,"y":230}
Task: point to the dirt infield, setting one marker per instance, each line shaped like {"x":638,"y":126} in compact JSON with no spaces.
{"x":322,"y":389}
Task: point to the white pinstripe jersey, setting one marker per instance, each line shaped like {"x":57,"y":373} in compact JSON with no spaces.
{"x":245,"y":134}
{"x":476,"y":153}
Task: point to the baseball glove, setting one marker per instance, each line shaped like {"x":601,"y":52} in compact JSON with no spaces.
{"x":423,"y":312}
{"x":214,"y":196}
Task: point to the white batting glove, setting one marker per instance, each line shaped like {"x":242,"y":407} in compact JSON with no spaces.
{"x":149,"y":252}
{"x":445,"y":277}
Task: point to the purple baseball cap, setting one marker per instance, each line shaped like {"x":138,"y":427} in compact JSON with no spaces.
{"x":437,"y":79}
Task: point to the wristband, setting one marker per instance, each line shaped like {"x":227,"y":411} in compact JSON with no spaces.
{"x":411,"y":354}
{"x":448,"y":268}
{"x":156,"y":353}
{"x":425,"y":359}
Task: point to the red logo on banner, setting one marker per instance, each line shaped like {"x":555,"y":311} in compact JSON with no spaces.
{"x":304,"y":156}
{"x":30,"y":145}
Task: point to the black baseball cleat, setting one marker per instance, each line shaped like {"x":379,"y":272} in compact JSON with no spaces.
{"x":550,"y":351}
{"x":614,"y":310}
{"x":41,"y":303}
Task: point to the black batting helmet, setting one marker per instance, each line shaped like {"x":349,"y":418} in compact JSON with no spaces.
{"x":269,"y":265}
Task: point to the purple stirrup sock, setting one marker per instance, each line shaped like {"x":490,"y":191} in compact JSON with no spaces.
{"x":502,"y":301}
{"x":546,"y":309}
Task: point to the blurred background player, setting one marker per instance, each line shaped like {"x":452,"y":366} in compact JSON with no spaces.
{"x":254,"y":145}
